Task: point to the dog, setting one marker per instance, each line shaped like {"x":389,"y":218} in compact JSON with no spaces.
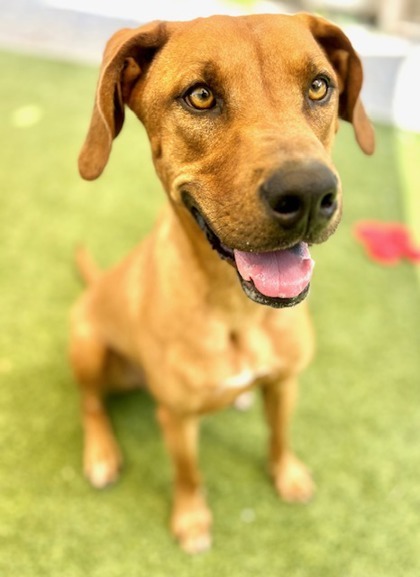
{"x":241,"y":114}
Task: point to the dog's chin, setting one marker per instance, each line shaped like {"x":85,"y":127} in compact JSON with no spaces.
{"x":275,"y":302}
{"x":227,"y":254}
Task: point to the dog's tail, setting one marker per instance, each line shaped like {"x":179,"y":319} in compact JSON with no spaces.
{"x":88,"y":269}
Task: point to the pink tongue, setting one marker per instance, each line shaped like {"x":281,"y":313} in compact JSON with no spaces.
{"x":278,"y":274}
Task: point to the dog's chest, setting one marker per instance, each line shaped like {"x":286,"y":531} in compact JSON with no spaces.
{"x":207,"y":369}
{"x":246,"y":358}
{"x":244,"y":379}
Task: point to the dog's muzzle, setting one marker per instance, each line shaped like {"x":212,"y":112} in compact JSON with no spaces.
{"x":278,"y":278}
{"x":302,"y":199}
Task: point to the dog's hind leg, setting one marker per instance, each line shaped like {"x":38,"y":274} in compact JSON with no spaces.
{"x":102,"y":457}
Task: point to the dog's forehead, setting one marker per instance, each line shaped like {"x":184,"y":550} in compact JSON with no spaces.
{"x":237,"y":40}
{"x":222,"y":30}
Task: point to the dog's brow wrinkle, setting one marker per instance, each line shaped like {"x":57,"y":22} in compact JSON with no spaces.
{"x":201,"y":71}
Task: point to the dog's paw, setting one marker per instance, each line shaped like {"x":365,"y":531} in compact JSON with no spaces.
{"x":191,"y":523}
{"x":102,"y":464}
{"x":293,"y":481}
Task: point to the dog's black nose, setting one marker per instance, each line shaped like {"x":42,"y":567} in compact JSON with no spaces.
{"x":301,"y":195}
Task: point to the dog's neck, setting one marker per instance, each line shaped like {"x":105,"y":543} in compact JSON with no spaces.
{"x":213,"y":275}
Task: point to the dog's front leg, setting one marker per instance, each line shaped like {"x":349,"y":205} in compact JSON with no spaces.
{"x":291,"y":477}
{"x":191,"y":518}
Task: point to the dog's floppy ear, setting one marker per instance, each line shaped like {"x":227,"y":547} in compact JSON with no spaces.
{"x":126,"y":53}
{"x":346,"y":62}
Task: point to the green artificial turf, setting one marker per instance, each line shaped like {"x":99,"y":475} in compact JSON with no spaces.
{"x":408,"y":148}
{"x":357,"y":425}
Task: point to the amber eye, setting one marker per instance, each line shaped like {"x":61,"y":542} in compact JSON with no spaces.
{"x":200,"y":97}
{"x":318,"y":89}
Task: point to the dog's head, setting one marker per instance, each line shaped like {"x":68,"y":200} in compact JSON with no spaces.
{"x":241,"y":114}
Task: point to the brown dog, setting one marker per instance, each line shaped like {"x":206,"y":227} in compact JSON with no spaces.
{"x":241,"y":114}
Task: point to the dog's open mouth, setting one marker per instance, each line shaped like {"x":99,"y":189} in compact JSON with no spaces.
{"x":279,"y":278}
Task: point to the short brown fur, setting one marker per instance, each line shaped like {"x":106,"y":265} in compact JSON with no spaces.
{"x":173,"y":314}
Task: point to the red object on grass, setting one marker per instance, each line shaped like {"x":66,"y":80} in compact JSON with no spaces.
{"x":387,"y":242}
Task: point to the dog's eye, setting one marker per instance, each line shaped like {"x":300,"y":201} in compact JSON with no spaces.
{"x":318,"y":89}
{"x":200,"y":97}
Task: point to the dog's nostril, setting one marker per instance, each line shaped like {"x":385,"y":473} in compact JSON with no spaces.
{"x":328,"y":204}
{"x":287,"y":205}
